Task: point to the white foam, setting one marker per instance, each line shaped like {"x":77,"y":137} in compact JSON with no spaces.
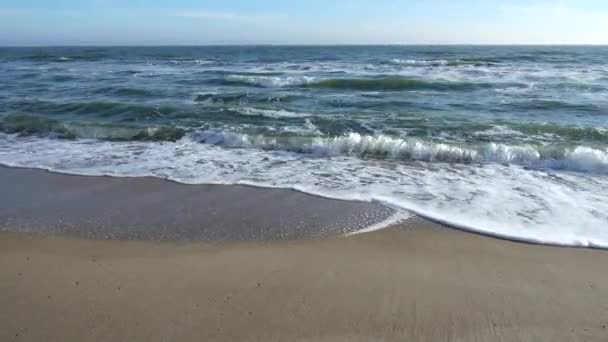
{"x":270,"y":113}
{"x":396,"y":218}
{"x":554,"y":207}
{"x":272,"y":81}
{"x":203,"y":62}
{"x":307,"y":129}
{"x":422,"y":62}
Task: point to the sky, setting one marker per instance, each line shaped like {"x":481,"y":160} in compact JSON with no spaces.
{"x":192,"y":22}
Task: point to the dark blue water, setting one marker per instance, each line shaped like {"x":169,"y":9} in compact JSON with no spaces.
{"x":507,"y":140}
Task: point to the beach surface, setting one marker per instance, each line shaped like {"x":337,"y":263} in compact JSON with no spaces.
{"x":415,"y":281}
{"x":147,"y":208}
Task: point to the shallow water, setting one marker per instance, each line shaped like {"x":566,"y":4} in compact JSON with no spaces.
{"x":510,"y":141}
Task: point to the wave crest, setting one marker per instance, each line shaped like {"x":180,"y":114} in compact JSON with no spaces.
{"x":576,"y":158}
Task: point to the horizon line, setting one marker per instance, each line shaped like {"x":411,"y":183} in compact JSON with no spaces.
{"x":305,"y":45}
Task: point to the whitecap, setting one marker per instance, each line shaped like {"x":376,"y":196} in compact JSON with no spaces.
{"x":270,"y":113}
{"x":272,"y":81}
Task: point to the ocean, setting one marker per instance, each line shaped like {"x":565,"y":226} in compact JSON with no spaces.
{"x":505,"y":141}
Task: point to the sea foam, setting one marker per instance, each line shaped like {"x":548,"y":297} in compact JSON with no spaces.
{"x":544,"y":206}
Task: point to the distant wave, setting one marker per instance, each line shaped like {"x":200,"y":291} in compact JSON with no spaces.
{"x":66,"y":58}
{"x":268,"y":81}
{"x":446,"y":62}
{"x":222,"y":98}
{"x":552,"y":105}
{"x":99,"y":108}
{"x":126,"y":92}
{"x":24,"y":125}
{"x":270,"y":113}
{"x":382,"y":83}
{"x":396,"y":83}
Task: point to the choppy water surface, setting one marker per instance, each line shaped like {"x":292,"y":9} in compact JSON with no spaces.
{"x":510,"y":141}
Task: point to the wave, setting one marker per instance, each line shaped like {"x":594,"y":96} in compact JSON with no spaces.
{"x":100,"y":108}
{"x":552,"y":105}
{"x":27,"y":125}
{"x":369,"y":84}
{"x":126,"y":92}
{"x":221,"y":98}
{"x":379,"y":147}
{"x":575,"y":158}
{"x":446,"y":62}
{"x":267,"y":81}
{"x":126,"y":72}
{"x":186,"y":60}
{"x":240,"y":98}
{"x":66,"y":58}
{"x":62,"y":78}
{"x":396,"y":83}
{"x":270,"y":113}
{"x":577,"y":86}
{"x":568,"y":133}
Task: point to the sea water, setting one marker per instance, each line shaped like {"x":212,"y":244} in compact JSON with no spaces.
{"x":508,"y":141}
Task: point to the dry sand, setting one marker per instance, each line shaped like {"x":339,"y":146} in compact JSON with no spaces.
{"x":412,"y":283}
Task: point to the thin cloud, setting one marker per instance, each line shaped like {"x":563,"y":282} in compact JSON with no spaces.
{"x":226,"y":16}
{"x":207,"y":15}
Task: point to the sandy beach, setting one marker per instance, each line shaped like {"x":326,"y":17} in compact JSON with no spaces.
{"x":221,"y":281}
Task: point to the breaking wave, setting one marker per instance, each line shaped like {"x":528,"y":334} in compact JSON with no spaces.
{"x":380,"y":147}
{"x":575,"y":158}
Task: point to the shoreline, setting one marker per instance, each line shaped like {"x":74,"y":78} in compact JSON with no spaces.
{"x":375,"y":215}
{"x":187,"y":268}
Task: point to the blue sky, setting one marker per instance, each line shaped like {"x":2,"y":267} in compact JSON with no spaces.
{"x":153,"y":22}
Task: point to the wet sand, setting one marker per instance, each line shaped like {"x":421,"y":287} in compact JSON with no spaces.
{"x":414,"y":282}
{"x":155,"y":209}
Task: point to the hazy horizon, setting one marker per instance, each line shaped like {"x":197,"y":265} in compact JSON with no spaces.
{"x":316,"y":22}
{"x":298,"y":45}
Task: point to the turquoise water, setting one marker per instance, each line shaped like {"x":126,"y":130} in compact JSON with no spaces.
{"x":510,"y":141}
